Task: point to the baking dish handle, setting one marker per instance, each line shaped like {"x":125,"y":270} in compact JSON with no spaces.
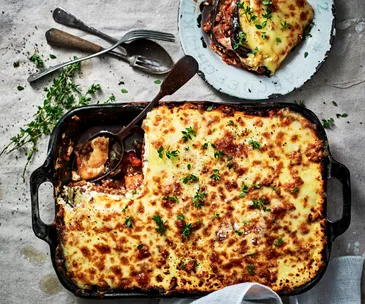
{"x":340,"y":172}
{"x":38,"y":177}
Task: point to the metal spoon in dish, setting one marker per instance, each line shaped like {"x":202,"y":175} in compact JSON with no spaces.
{"x":143,"y":54}
{"x":181,"y":73}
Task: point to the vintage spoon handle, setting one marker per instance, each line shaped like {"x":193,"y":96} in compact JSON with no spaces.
{"x":62,"y":39}
{"x":65,"y":18}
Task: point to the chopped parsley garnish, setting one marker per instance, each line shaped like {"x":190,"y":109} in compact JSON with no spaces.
{"x":254,"y":52}
{"x":205,"y":146}
{"x":229,"y":157}
{"x":285,"y":25}
{"x":139,"y":247}
{"x":236,"y":45}
{"x":308,"y":30}
{"x":246,"y":222}
{"x":261,"y":26}
{"x":38,"y":61}
{"x":279,"y":242}
{"x":129,"y":222}
{"x":124,"y":91}
{"x":198,"y":199}
{"x":263,"y":35}
{"x":305,"y":54}
{"x":20,"y":88}
{"x":260,"y":204}
{"x":134,"y":192}
{"x":160,"y":223}
{"x":252,"y":255}
{"x":210,"y":108}
{"x":187,"y":229}
{"x":300,"y":103}
{"x":190,"y":177}
{"x":238,"y":232}
{"x":278,"y":40}
{"x":244,"y":190}
{"x":328,"y":123}
{"x":230,"y":165}
{"x":216,"y":215}
{"x":265,"y":2}
{"x":213,"y":145}
{"x":172,"y":154}
{"x":188,"y":134}
{"x":187,"y":148}
{"x":160,"y":152}
{"x":248,"y":11}
{"x":267,"y":14}
{"x":188,"y":166}
{"x":295,"y":190}
{"x":125,"y":208}
{"x":254,"y":144}
{"x":335,"y":103}
{"x":174,"y":199}
{"x":251,"y":268}
{"x":256,"y":186}
{"x":215,"y":176}
{"x":344,"y":115}
{"x":230,"y":123}
{"x":181,"y":217}
{"x":52,"y":56}
{"x":219,"y":154}
{"x":157,"y":81}
{"x":16,"y":64}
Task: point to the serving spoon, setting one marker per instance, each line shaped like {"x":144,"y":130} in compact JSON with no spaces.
{"x":180,"y":74}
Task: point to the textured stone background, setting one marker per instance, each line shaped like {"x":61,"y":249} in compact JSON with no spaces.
{"x":26,"y":271}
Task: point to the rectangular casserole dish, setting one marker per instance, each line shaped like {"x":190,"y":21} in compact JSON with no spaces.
{"x":57,"y":169}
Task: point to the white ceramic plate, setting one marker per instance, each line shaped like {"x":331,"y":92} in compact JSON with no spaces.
{"x":292,"y":74}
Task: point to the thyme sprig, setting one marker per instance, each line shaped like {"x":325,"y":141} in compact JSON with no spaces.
{"x":61,"y":96}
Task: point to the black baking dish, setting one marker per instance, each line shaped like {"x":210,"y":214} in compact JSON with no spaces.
{"x":56,"y":170}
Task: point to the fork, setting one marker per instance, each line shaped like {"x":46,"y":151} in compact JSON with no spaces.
{"x":128,"y":37}
{"x":65,"y":18}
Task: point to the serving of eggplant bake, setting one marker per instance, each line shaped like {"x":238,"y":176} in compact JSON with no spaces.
{"x":257,"y":35}
{"x":215,"y":196}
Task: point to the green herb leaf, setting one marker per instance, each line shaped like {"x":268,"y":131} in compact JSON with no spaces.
{"x":251,"y":268}
{"x":244,"y":190}
{"x":129,"y":222}
{"x":210,"y":108}
{"x":300,"y":103}
{"x":265,"y":2}
{"x":124,"y":91}
{"x":344,"y":115}
{"x":16,"y":64}
{"x":157,"y":81}
{"x":285,"y":25}
{"x":219,"y":154}
{"x":328,"y":123}
{"x":52,"y":56}
{"x":335,"y":103}
{"x":174,"y":199}
{"x":160,"y":223}
{"x":295,"y":190}
{"x":134,"y":192}
{"x":38,"y":61}
{"x":254,"y":52}
{"x":230,"y":165}
{"x":20,"y":88}
{"x":205,"y":146}
{"x":139,"y":247}
{"x":198,"y":199}
{"x":252,"y":255}
{"x":160,"y":152}
{"x":187,"y":230}
{"x":278,"y":40}
{"x":188,"y":166}
{"x":215,"y":176}
{"x":188,"y":134}
{"x":125,"y":208}
{"x":305,"y":54}
{"x":172,"y":154}
{"x":254,"y":144}
{"x":216,"y":215}
{"x":260,"y":204}
{"x":279,"y":242}
{"x":189,"y":178}
{"x":238,"y":232}
{"x":181,"y":217}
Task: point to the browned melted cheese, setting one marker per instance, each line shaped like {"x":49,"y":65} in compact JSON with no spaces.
{"x":240,"y":201}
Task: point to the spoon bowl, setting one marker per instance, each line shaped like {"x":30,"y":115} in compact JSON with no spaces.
{"x":181,"y":73}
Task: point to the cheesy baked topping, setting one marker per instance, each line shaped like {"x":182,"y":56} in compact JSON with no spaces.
{"x":258,"y":35}
{"x":227,"y":196}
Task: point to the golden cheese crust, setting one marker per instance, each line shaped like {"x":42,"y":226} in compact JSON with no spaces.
{"x":227,"y":197}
